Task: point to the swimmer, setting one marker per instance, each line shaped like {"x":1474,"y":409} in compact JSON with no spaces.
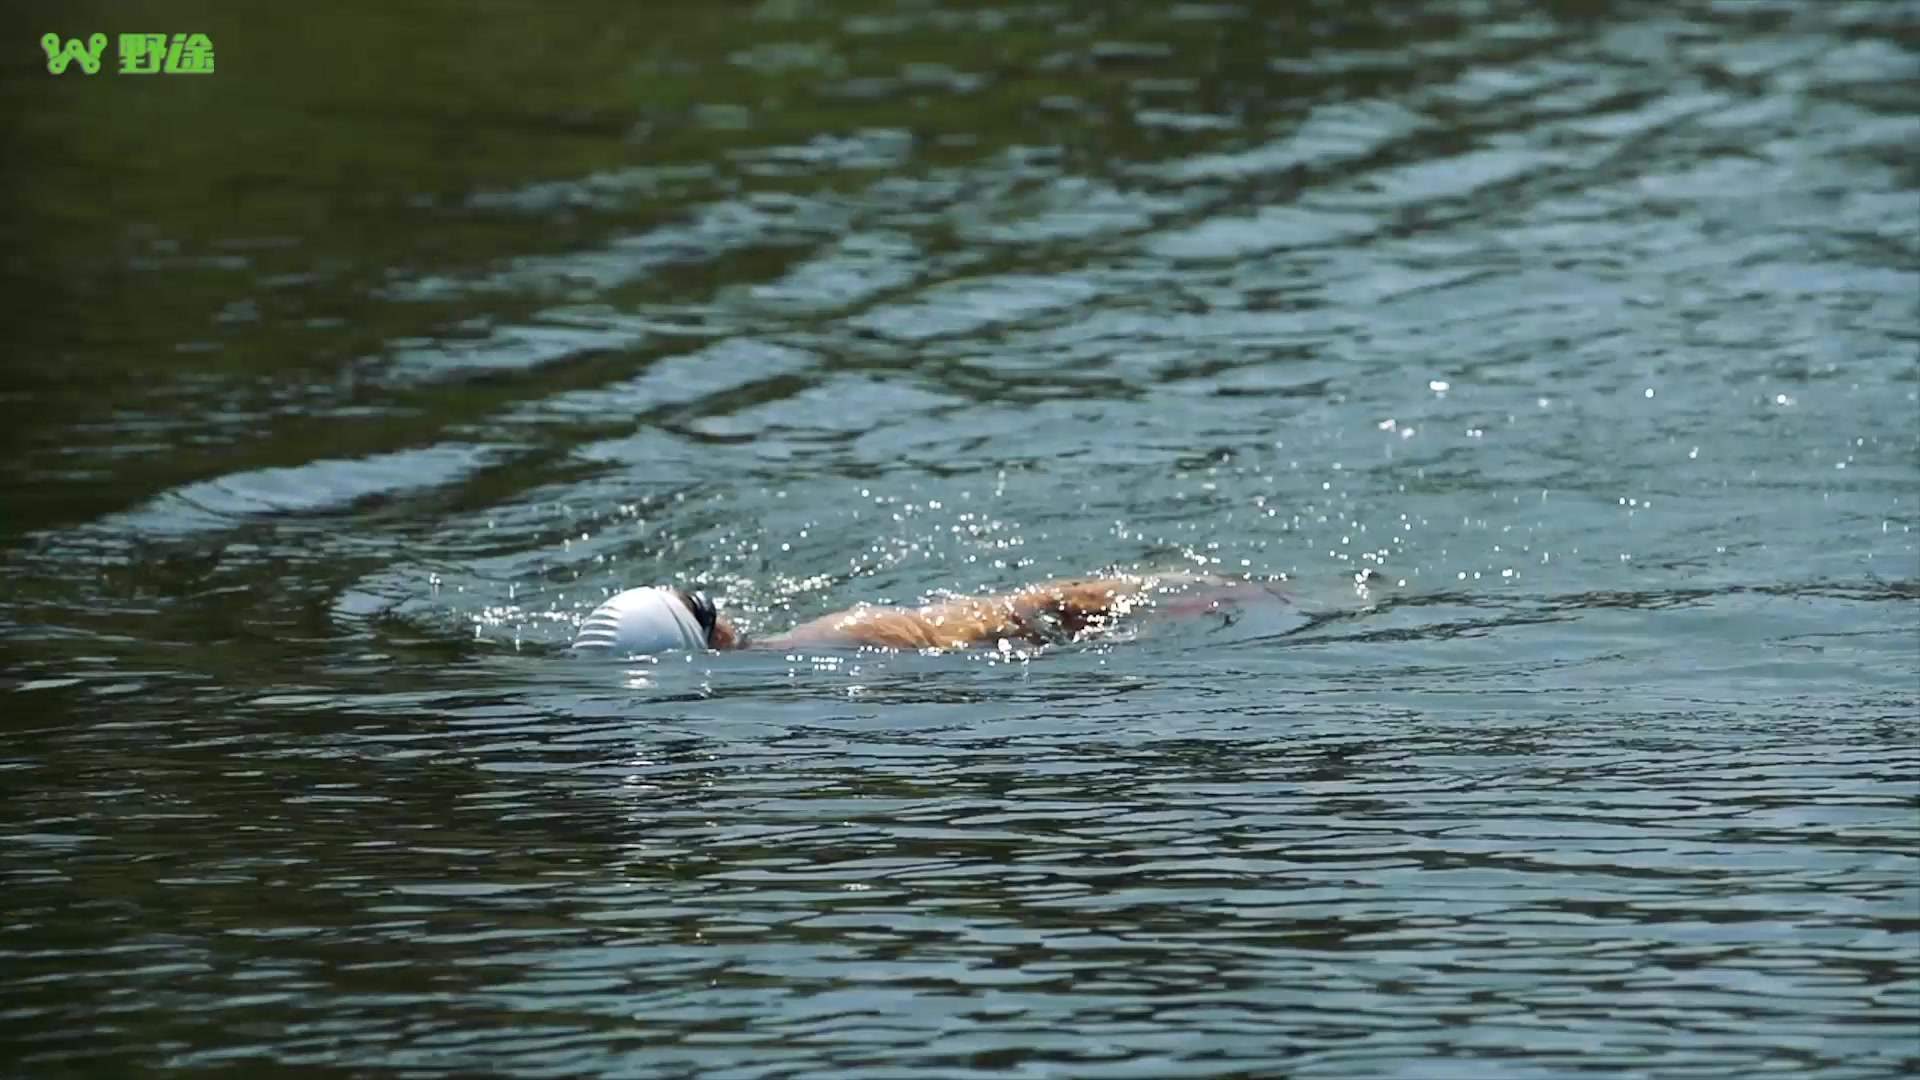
{"x":664,"y":618}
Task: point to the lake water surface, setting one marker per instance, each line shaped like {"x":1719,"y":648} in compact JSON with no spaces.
{"x":1562,"y":359}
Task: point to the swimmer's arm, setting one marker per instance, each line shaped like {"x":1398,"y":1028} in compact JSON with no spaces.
{"x":954,"y":624}
{"x":1037,"y":614}
{"x":1073,"y":606}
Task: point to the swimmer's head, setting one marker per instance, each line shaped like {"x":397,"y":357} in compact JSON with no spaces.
{"x":655,"y":619}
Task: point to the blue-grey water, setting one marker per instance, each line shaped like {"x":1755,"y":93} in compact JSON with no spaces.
{"x":1561,"y":359}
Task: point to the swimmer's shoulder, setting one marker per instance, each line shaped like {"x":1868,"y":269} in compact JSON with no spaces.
{"x":842,"y":629}
{"x":960,"y":623}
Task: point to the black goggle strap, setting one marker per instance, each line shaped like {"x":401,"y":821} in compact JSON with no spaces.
{"x":702,"y":608}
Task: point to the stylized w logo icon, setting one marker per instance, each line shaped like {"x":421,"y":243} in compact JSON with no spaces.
{"x":89,"y":56}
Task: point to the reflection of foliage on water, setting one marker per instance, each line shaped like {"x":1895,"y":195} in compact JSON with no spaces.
{"x":250,"y":213}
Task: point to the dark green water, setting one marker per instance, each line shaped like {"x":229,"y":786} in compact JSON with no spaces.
{"x":1562,"y":357}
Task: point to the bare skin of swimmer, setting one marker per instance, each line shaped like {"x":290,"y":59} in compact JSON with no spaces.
{"x":1049,"y":611}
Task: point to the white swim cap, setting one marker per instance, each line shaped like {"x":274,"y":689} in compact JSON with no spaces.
{"x":648,"y":620}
